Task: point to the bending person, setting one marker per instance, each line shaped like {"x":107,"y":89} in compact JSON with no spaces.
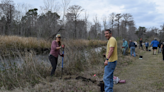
{"x":125,"y":46}
{"x":154,"y":43}
{"x":132,"y":48}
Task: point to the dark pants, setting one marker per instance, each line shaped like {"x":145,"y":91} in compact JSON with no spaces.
{"x":146,"y":48}
{"x":163,"y":53}
{"x":141,"y":46}
{"x":54,"y":62}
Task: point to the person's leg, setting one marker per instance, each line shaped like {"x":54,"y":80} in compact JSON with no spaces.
{"x":163,"y":54}
{"x":134,"y":54}
{"x":155,"y":51}
{"x":131,"y":51}
{"x":53,"y":61}
{"x":124,"y":51}
{"x":159,"y":50}
{"x":108,"y":76}
{"x":146,"y":48}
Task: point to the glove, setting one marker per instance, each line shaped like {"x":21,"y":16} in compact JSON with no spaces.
{"x":63,"y":46}
{"x":104,"y":55}
{"x":62,"y":55}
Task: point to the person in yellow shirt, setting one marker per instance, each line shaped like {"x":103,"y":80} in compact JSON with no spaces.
{"x":110,"y":62}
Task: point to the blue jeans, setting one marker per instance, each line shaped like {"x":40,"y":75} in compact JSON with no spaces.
{"x":108,"y":76}
{"x":124,"y":52}
{"x":132,"y":51}
{"x":159,"y":51}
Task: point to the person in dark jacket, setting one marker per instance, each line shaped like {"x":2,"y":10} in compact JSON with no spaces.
{"x":154,"y":43}
{"x":159,"y":46}
{"x":132,"y":48}
{"x":146,"y":45}
{"x":162,"y":47}
{"x":140,"y":43}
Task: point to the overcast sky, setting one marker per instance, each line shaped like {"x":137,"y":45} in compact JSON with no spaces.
{"x":146,"y":13}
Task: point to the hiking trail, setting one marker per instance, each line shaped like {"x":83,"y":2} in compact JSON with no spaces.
{"x":146,"y":75}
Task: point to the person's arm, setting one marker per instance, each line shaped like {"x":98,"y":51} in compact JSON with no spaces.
{"x":126,"y":43}
{"x":123,"y":45}
{"x":109,"y":55}
{"x":110,"y":52}
{"x":112,"y":46}
{"x":161,"y":46}
{"x":62,"y":55}
{"x":151,"y":43}
{"x":54,"y":46}
{"x":58,"y":48}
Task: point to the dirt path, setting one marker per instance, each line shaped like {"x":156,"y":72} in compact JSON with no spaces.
{"x":146,"y":75}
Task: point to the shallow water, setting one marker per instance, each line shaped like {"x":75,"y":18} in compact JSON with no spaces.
{"x":18,"y":61}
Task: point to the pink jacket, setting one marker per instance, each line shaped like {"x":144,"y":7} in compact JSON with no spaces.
{"x":54,"y":51}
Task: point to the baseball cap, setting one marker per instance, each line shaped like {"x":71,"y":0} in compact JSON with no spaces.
{"x":58,"y":35}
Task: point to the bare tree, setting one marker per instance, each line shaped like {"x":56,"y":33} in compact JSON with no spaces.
{"x":111,"y":19}
{"x":140,"y":32}
{"x":118,"y":17}
{"x":75,"y":10}
{"x":162,"y":27}
{"x":7,"y":7}
{"x":50,"y":5}
{"x":86,"y":22}
{"x":65,"y":4}
{"x":161,"y":32}
{"x":126,"y":23}
{"x":127,"y":18}
{"x":104,"y":22}
{"x":95,"y":29}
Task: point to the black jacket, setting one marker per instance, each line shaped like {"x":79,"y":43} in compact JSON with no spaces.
{"x":131,"y":44}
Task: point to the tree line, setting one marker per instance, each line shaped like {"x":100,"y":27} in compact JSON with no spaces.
{"x":48,"y":20}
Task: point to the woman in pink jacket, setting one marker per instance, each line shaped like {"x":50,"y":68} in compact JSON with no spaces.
{"x":55,"y":51}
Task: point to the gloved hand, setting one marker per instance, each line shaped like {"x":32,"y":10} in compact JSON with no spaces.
{"x":63,"y":46}
{"x":62,"y":55}
{"x":104,"y":55}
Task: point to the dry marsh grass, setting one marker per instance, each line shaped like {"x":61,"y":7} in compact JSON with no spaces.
{"x":11,"y":42}
{"x":16,"y":42}
{"x":32,"y":71}
{"x":80,"y":60}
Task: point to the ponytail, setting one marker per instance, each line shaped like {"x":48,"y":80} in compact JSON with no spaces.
{"x":59,"y":43}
